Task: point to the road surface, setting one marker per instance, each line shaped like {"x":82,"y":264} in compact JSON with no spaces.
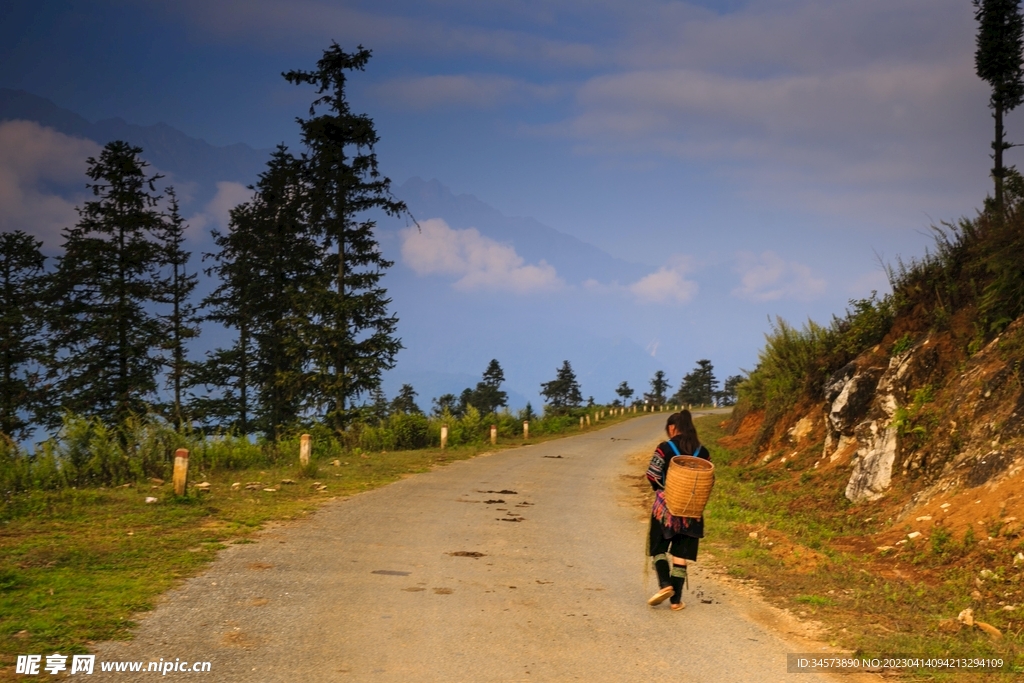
{"x":523,"y":565}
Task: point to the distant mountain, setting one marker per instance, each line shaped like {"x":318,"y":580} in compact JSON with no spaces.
{"x":167,"y":148}
{"x":574,"y":259}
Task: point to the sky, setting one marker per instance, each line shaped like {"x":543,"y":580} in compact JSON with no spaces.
{"x":758,"y":157}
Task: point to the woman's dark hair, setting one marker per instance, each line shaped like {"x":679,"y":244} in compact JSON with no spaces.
{"x":686,"y":433}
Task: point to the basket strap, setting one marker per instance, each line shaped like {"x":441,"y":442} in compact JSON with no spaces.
{"x":674,"y":447}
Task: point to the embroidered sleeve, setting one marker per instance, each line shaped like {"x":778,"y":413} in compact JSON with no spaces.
{"x":656,"y":470}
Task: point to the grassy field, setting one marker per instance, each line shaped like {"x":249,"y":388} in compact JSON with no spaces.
{"x":809,"y":554}
{"x":77,"y":564}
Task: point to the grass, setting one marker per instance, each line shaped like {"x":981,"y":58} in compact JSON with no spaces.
{"x":77,"y":563}
{"x":774,"y":527}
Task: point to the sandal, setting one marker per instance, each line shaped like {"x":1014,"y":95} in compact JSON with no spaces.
{"x":678,"y":606}
{"x":661,"y":596}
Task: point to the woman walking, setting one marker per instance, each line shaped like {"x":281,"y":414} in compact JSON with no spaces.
{"x":673,"y":540}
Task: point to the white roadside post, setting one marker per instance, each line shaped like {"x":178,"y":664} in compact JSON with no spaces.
{"x":526,"y":430}
{"x":494,"y":435}
{"x":180,"y":471}
{"x":305,"y":448}
{"x":588,"y":419}
{"x":581,"y":422}
{"x":444,"y":436}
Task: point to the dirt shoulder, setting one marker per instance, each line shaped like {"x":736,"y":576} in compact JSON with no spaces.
{"x":818,"y":559}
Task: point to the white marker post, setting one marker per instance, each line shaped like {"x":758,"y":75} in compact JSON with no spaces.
{"x":526,"y":430}
{"x":180,"y":471}
{"x":588,"y":419}
{"x":444,"y":436}
{"x":581,"y":422}
{"x":305,"y":448}
{"x":494,"y":435}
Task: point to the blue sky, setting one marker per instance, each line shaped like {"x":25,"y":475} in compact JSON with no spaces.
{"x":758,"y":154}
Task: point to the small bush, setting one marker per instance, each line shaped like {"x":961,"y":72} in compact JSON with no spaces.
{"x":942,"y":541}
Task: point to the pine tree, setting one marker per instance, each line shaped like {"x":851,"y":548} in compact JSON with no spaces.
{"x":699,"y":387}
{"x":22,"y":350}
{"x":284,"y":259}
{"x":625,"y":392}
{"x":182,"y":322}
{"x":405,"y":401}
{"x":445,"y":403}
{"x":998,"y":61}
{"x":104,"y":331}
{"x":229,"y":371}
{"x":659,"y":385}
{"x":727,"y":396}
{"x":563,"y":392}
{"x":488,"y":396}
{"x":355,"y":340}
{"x":378,"y":407}
{"x":267,"y":267}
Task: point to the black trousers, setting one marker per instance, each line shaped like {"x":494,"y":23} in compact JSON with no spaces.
{"x":679,"y":545}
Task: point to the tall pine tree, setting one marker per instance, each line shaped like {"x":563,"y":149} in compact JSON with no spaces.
{"x":22,"y":350}
{"x":355,"y":337}
{"x":181,"y":322}
{"x":105,"y":333}
{"x":229,"y":371}
{"x":999,"y":60}
{"x":285,"y":256}
{"x":267,"y":265}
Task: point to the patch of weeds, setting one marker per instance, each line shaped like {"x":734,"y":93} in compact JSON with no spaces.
{"x":942,"y":541}
{"x":993,"y":526}
{"x":902,"y":344}
{"x":969,"y":541}
{"x":309,"y":470}
{"x":11,"y":579}
{"x":815,"y":600}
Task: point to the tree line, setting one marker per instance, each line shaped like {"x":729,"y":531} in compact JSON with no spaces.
{"x":299,"y":286}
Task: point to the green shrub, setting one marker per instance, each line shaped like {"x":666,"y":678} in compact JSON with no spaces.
{"x":902,"y":344}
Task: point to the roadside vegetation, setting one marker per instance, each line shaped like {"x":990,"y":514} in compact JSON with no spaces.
{"x":810,"y":554}
{"x":971,"y":285}
{"x":78,"y":559}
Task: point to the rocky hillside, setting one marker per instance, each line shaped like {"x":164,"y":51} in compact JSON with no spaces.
{"x":910,"y":407}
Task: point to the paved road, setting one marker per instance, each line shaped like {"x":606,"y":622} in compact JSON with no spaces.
{"x":374,"y":588}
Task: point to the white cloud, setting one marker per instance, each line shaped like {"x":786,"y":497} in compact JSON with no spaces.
{"x":666,"y":285}
{"x":769,"y":277}
{"x":479,"y":262}
{"x":217,"y":212}
{"x":35,"y":162}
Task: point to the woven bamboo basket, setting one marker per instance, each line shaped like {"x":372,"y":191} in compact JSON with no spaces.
{"x":688,"y":485}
